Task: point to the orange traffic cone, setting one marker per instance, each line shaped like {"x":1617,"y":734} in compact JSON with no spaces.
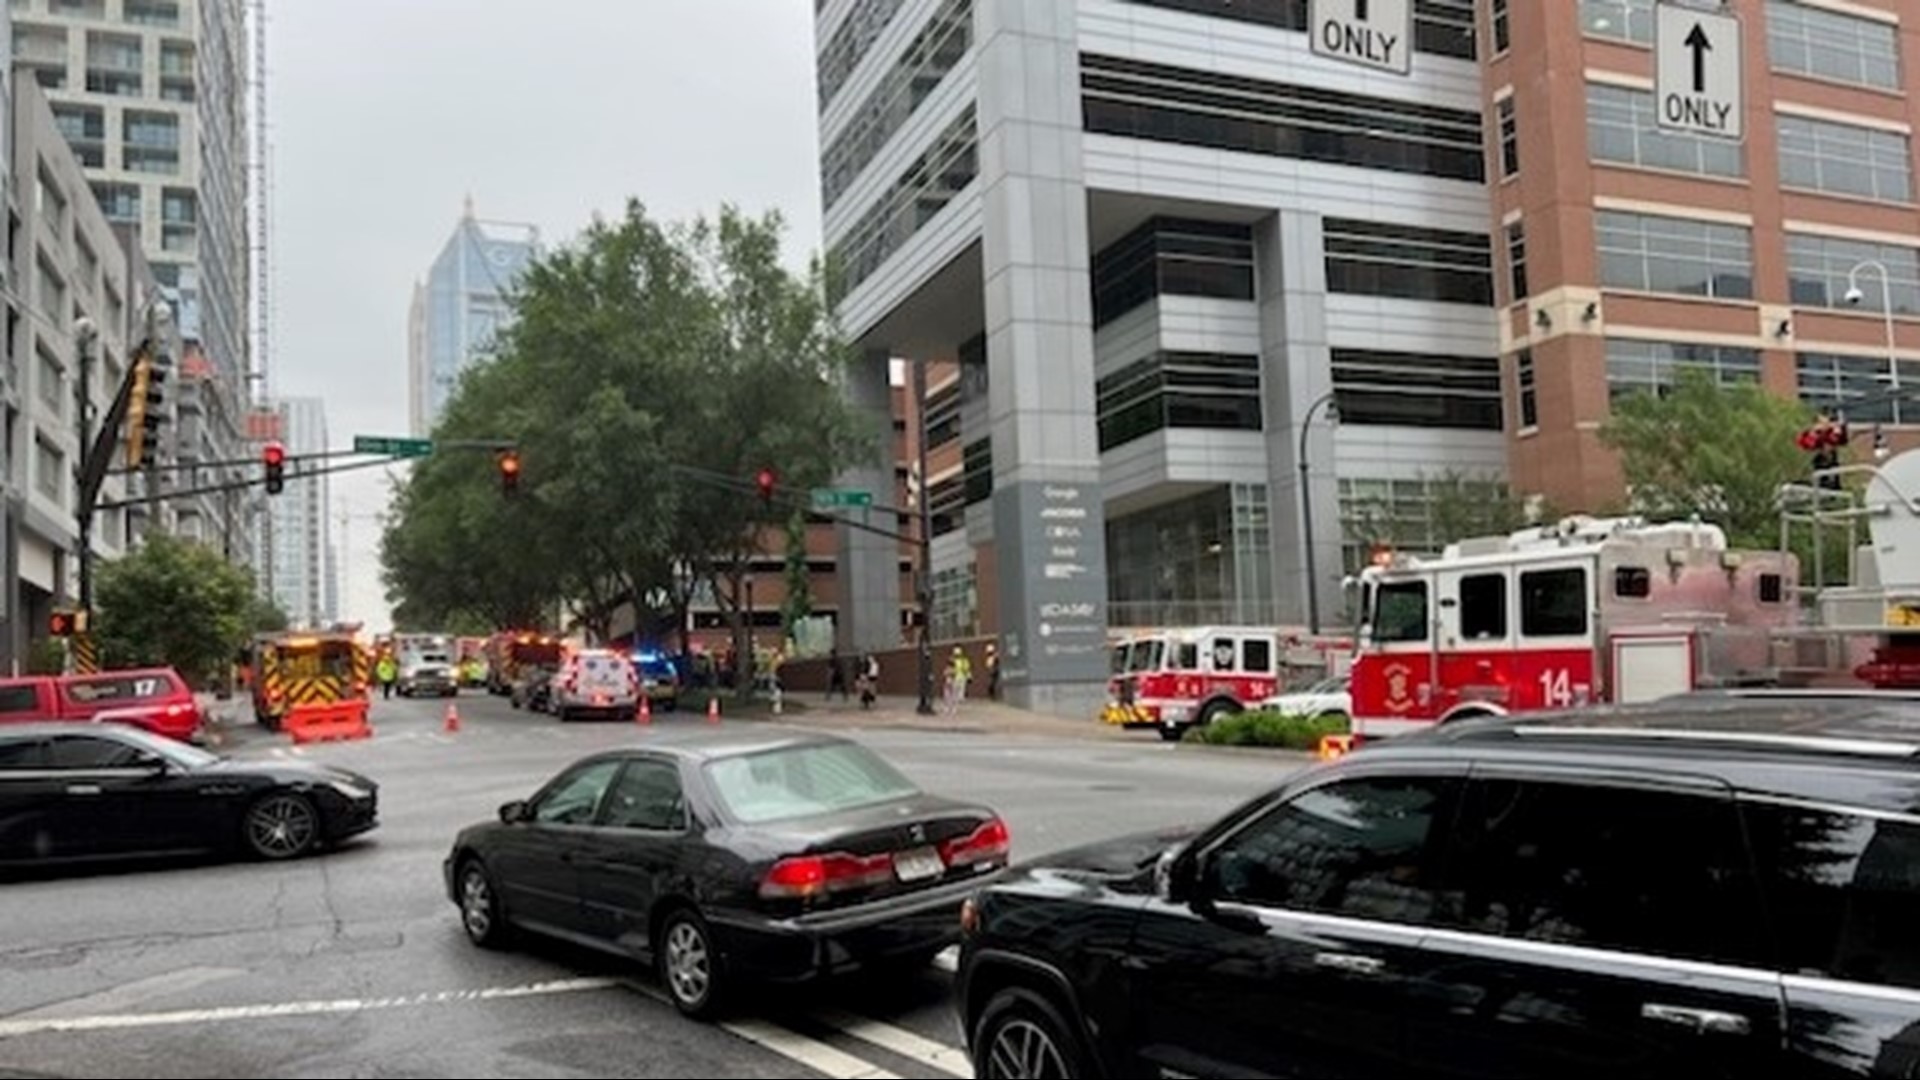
{"x":645,"y":715}
{"x":453,"y":718}
{"x":713,"y":710}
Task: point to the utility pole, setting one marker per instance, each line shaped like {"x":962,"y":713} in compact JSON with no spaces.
{"x":924,"y":582}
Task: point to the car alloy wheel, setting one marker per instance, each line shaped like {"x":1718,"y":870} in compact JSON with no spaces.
{"x":1023,"y":1036}
{"x":480,"y":914}
{"x":688,"y":967}
{"x":284,"y":826}
{"x":1023,"y":1050}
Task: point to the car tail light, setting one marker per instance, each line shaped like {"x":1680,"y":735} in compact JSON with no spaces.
{"x":988,"y":843}
{"x":179,"y":710}
{"x":806,"y":876}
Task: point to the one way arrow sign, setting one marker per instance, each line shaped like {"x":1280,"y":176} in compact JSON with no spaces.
{"x":1700,"y":81}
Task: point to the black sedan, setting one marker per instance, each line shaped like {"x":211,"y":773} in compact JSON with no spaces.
{"x":77,"y":792}
{"x":729,"y":857}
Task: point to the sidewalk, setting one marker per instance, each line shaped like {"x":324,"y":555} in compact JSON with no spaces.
{"x":975,"y":717}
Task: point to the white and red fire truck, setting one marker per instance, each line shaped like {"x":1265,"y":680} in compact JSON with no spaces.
{"x":1622,"y":610}
{"x":1174,"y":679}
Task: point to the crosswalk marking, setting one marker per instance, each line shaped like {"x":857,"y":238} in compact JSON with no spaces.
{"x":814,"y":1054}
{"x":900,"y":1041}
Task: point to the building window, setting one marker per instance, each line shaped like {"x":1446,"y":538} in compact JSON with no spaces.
{"x":1202,"y":560}
{"x":977,"y":468}
{"x":1517,"y":262}
{"x":1832,"y":45}
{"x":51,"y":380}
{"x":1869,"y":389}
{"x":850,"y":43}
{"x":915,"y":76}
{"x":1502,"y":30}
{"x":923,"y":190}
{"x":1440,"y":27}
{"x":52,"y":291}
{"x":943,"y":415}
{"x":1139,"y":100}
{"x":1817,"y":269}
{"x":153,"y":12}
{"x":1529,"y":399}
{"x":49,"y":470}
{"x":1416,"y":390}
{"x":1648,"y":253}
{"x":1176,"y":257}
{"x":1651,"y":367}
{"x":1509,"y":139}
{"x":947,"y":503}
{"x":1624,"y":20}
{"x":1844,"y":159}
{"x":956,"y":603}
{"x":120,"y":202}
{"x":1421,"y":515}
{"x":51,"y":205}
{"x":1623,"y":127}
{"x":1179,"y":390}
{"x":1373,"y":258}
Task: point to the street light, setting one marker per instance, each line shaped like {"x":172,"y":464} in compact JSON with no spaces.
{"x":1306,"y":505}
{"x":1854,"y":298}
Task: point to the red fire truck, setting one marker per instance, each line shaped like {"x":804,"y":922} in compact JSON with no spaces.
{"x":1622,"y":610}
{"x":1171,"y":680}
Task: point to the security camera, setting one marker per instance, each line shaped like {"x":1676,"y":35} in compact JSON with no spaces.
{"x":85,"y":330}
{"x":1854,"y":296}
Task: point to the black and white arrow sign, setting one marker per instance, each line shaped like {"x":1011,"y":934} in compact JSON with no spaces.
{"x":1699,"y":78}
{"x":1371,"y":33}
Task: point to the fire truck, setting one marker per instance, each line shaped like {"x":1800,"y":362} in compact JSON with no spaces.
{"x":1621,"y":610}
{"x":1174,"y":679}
{"x":511,"y":653}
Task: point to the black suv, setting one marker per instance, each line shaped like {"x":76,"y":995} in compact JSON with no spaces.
{"x":1713,"y":888}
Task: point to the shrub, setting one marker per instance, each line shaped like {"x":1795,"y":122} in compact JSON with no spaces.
{"x":1270,"y":729}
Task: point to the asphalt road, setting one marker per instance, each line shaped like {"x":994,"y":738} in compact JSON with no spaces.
{"x":352,"y":964}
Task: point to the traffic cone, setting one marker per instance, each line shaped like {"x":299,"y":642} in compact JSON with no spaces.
{"x":645,"y":714}
{"x":453,"y":718}
{"x":713,"y":710}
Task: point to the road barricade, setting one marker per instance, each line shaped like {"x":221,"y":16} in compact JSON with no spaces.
{"x":331,"y":721}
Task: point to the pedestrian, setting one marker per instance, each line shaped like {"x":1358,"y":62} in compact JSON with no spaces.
{"x":869,"y":680}
{"x":959,"y":674}
{"x":993,"y":671}
{"x":836,"y":676}
{"x":386,"y":671}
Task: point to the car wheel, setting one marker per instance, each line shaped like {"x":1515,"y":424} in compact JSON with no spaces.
{"x":284,"y":825}
{"x":1021,"y":1036}
{"x":1215,"y":710}
{"x":1172,"y":733}
{"x":481,"y":914}
{"x":688,"y":964}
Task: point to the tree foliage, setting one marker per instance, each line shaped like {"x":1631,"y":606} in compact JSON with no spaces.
{"x":640,"y":349}
{"x":171,"y":603}
{"x":1453,"y":505}
{"x":1721,"y":452}
{"x":798,"y":606}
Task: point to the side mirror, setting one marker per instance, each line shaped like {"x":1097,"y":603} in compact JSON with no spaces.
{"x":1176,"y":877}
{"x":156,"y":766}
{"x":516,"y":812}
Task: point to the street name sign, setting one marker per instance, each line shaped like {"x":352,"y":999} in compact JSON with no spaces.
{"x":1700,"y":84}
{"x":840,"y":499}
{"x":1371,"y":33}
{"x":392,"y":446}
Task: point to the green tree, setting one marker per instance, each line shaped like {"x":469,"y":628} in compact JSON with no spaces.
{"x":266,"y":617}
{"x":1721,"y":452}
{"x":798,"y":606}
{"x":175,"y":604}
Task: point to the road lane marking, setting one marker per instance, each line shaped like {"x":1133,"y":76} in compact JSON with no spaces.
{"x":900,"y":1041}
{"x":16,"y":1027}
{"x":118,"y":999}
{"x":812,"y":1053}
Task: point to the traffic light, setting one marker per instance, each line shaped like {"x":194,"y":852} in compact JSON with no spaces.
{"x":145,"y":409}
{"x":275,"y":458}
{"x":509,"y":472}
{"x":1824,"y":440}
{"x":66,"y":624}
{"x":765,"y":482}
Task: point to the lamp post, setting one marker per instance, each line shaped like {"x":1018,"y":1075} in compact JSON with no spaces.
{"x":1306,"y":507}
{"x":924,"y":584}
{"x":1854,"y":298}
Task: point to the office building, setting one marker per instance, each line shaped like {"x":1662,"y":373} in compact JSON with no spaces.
{"x":459,"y":308}
{"x":151,"y":96}
{"x":302,"y":559}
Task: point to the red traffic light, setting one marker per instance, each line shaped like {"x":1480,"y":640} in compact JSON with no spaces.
{"x":509,"y":465}
{"x":1836,"y":435}
{"x":1809,"y":440}
{"x":61,"y":624}
{"x":275,"y":454}
{"x":765,"y":481}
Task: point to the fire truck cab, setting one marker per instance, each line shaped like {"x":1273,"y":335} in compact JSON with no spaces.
{"x":1582,"y":611}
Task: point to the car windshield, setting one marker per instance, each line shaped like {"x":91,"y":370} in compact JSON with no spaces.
{"x":179,"y":753}
{"x":805,"y":781}
{"x":1335,"y":685}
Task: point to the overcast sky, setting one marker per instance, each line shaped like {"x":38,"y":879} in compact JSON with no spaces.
{"x":384,"y":116}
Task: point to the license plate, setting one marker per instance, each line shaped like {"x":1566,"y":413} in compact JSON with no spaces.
{"x":918,"y":865}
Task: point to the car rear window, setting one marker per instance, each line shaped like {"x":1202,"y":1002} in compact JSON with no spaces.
{"x":805,"y":781}
{"x":119,"y":688}
{"x":19,"y":699}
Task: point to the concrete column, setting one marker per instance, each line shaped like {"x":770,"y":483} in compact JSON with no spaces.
{"x":1296,"y":368}
{"x":869,"y":564}
{"x":1049,"y":523}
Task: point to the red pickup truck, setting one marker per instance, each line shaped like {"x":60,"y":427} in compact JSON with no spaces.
{"x":156,"y":699}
